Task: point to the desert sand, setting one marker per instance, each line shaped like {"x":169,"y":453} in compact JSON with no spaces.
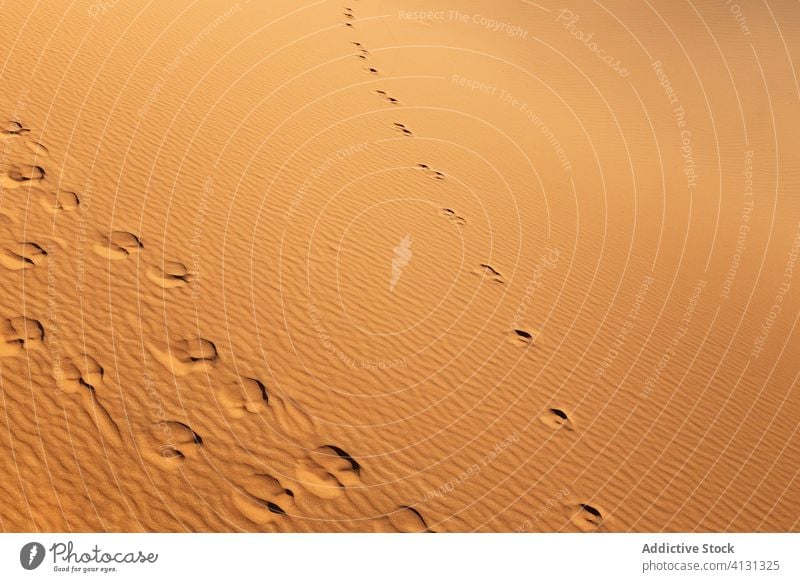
{"x":379,"y":265}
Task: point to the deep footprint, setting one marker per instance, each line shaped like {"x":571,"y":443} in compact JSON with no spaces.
{"x":25,"y":255}
{"x":557,"y":418}
{"x":521,"y":337}
{"x":328,"y":471}
{"x":19,"y":334}
{"x":263,"y":499}
{"x":18,"y":174}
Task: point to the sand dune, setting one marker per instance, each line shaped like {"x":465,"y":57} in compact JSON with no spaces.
{"x":396,"y":268}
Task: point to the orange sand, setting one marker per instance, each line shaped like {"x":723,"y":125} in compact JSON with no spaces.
{"x":387,"y":266}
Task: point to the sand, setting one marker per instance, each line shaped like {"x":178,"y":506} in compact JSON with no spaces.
{"x":387,"y":266}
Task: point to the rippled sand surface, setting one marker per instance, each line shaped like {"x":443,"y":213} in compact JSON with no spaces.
{"x":387,"y":266}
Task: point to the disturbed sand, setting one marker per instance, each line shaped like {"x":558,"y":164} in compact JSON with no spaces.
{"x":393,"y":266}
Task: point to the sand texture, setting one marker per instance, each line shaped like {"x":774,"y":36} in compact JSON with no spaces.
{"x":390,"y":266}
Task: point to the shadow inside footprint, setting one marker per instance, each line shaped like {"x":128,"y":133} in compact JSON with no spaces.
{"x":521,"y":337}
{"x":557,"y":418}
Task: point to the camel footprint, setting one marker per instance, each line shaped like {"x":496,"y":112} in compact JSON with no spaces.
{"x":263,"y":499}
{"x":169,"y":274}
{"x":489,"y":272}
{"x":81,"y":376}
{"x":430,"y":172}
{"x":60,"y":201}
{"x":13,"y":128}
{"x":250,"y":396}
{"x":557,"y":418}
{"x":15,"y":175}
{"x":24,"y":255}
{"x":387,"y":97}
{"x":328,"y":471}
{"x":588,"y":517}
{"x":185,"y":356}
{"x":20,"y":334}
{"x":169,"y":443}
{"x":405,"y":519}
{"x":119,"y":245}
{"x":521,"y":337}
{"x":453,"y":217}
{"x":403,"y":129}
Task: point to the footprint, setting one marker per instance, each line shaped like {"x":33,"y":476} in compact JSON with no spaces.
{"x":387,"y":98}
{"x":119,"y":245}
{"x":490,"y":273}
{"x":169,"y":274}
{"x":83,"y":376}
{"x":588,"y":517}
{"x":247,"y":396}
{"x":328,"y":471}
{"x":372,"y":70}
{"x":25,"y":255}
{"x":37,"y":148}
{"x":403,"y":129}
{"x":18,"y":174}
{"x":60,"y":201}
{"x":186,"y":356}
{"x":435,"y":174}
{"x":454,"y":218}
{"x":405,"y":519}
{"x":82,"y":373}
{"x":19,"y":334}
{"x":521,"y":337}
{"x":557,"y":418}
{"x":251,"y":396}
{"x":168,"y":443}
{"x":13,"y":128}
{"x":262,"y":499}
